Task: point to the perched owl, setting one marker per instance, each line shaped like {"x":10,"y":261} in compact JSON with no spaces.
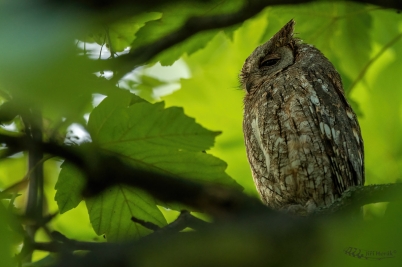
{"x":302,"y":137}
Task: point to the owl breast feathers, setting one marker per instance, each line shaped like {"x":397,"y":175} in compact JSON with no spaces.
{"x":302,"y":137}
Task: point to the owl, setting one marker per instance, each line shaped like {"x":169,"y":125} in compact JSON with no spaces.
{"x":302,"y":138}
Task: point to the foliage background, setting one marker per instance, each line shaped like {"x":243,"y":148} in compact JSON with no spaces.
{"x":362,"y":41}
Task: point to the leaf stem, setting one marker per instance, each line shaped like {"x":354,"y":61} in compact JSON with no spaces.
{"x":372,"y":61}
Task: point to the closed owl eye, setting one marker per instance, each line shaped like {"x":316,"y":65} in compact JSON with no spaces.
{"x":269,"y":62}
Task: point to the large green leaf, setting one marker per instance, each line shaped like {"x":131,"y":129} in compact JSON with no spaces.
{"x":214,"y":80}
{"x":149,"y":137}
{"x":146,"y":128}
{"x":110,"y":212}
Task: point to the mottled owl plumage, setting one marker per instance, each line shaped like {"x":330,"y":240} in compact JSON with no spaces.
{"x":302,"y":137}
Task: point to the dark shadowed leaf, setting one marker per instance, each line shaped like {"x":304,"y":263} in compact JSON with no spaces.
{"x":69,"y":187}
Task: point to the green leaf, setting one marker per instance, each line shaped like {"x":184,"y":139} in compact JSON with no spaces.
{"x":189,"y":46}
{"x":55,"y":79}
{"x":145,"y":88}
{"x":150,"y":137}
{"x":111,"y":211}
{"x":47,"y":261}
{"x":8,"y":111}
{"x":121,"y":34}
{"x":6,"y":238}
{"x":69,"y":187}
{"x":214,"y":80}
{"x":143,"y":127}
{"x":173,"y":18}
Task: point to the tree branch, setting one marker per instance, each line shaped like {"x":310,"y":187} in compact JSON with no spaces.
{"x":185,"y":219}
{"x":141,"y":55}
{"x":148,"y":225}
{"x":62,"y":243}
{"x":358,"y":196}
{"x":214,"y":199}
{"x":98,"y":168}
{"x":134,"y":7}
{"x":192,"y":26}
{"x":34,"y":207}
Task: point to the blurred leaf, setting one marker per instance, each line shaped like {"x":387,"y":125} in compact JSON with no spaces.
{"x":174,"y":17}
{"x":8,"y":111}
{"x":121,"y":34}
{"x":69,"y":187}
{"x":151,"y":81}
{"x":6,"y":238}
{"x":229,"y":31}
{"x":52,"y":76}
{"x":145,"y":88}
{"x":189,"y":46}
{"x":47,"y":261}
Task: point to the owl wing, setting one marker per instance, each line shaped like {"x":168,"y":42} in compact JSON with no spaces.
{"x":339,"y":129}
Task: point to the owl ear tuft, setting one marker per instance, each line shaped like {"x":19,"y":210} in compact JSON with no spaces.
{"x":285,"y":35}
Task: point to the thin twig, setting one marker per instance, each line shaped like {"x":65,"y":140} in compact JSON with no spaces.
{"x":20,"y":185}
{"x":148,"y":225}
{"x":125,"y":63}
{"x":373,"y":60}
{"x":109,"y":41}
{"x":184,"y":220}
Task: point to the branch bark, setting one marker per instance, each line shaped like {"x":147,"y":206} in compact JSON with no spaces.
{"x":358,"y":196}
{"x":216,"y":200}
{"x":34,"y":206}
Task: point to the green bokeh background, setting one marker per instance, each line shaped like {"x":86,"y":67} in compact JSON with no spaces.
{"x":350,"y":35}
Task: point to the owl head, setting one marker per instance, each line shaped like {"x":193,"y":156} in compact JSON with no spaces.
{"x":269,"y":58}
